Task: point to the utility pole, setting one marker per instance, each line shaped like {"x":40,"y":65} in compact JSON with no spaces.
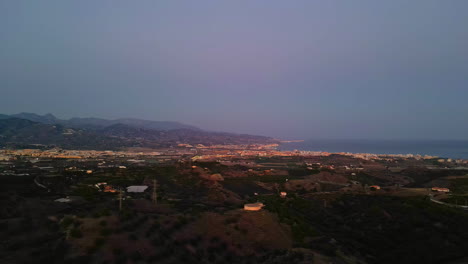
{"x":155,"y":194}
{"x":120,"y":199}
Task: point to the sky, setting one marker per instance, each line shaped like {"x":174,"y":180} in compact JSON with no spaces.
{"x":297,"y":69}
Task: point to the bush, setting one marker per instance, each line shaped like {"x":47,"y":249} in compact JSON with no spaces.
{"x":15,"y":246}
{"x":215,"y":240}
{"x":121,"y":259}
{"x":66,"y":221}
{"x":76,"y":233}
{"x":230,"y":220}
{"x":4,"y":226}
{"x":106,"y":232}
{"x":91,"y":250}
{"x":104,"y":212}
{"x":156,"y":242}
{"x":87,"y":192}
{"x":117,"y":251}
{"x":26,"y":224}
{"x":136,"y":256}
{"x":99,"y":242}
{"x":132,"y":236}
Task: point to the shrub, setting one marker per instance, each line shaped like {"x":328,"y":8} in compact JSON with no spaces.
{"x":132,"y":236}
{"x":136,"y":256}
{"x":99,"y":242}
{"x":230,"y":220}
{"x":66,"y":221}
{"x":77,"y":223}
{"x":26,"y":224}
{"x":156,"y":242}
{"x":91,"y":250}
{"x":15,"y":246}
{"x":214,"y":239}
{"x":121,"y":259}
{"x":117,"y":251}
{"x":106,"y":232}
{"x":105,"y":212}
{"x":4,"y":225}
{"x":76,"y":233}
{"x":87,"y":192}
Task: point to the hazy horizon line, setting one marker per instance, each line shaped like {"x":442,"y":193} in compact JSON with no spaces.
{"x":228,"y":131}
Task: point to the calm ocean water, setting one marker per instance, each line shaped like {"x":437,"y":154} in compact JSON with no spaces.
{"x":455,"y":149}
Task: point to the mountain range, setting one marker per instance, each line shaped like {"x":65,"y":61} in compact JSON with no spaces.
{"x":96,"y":123}
{"x":25,"y":129}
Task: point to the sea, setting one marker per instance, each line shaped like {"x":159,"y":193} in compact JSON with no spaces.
{"x":454,"y":149}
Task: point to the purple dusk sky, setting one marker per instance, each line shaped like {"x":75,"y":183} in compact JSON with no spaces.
{"x":290,"y":69}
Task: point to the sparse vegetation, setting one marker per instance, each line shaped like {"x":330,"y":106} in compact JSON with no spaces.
{"x":460,"y":186}
{"x":76,"y":233}
{"x":201,"y":221}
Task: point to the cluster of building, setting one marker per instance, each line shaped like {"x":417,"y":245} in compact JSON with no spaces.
{"x":202,"y":153}
{"x":232,"y":146}
{"x":69,"y":154}
{"x":439,"y":189}
{"x":456,"y":161}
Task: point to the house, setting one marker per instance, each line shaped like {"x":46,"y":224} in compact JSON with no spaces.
{"x":253,"y":207}
{"x":137,"y":188}
{"x":63,"y":200}
{"x":99,"y":184}
{"x":108,"y":188}
{"x":439,"y":189}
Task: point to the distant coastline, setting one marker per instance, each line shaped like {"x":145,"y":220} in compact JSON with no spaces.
{"x":455,"y":149}
{"x":291,"y":141}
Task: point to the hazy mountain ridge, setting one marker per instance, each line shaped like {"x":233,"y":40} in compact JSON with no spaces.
{"x":95,"y":133}
{"x":176,"y":136}
{"x":45,"y":119}
{"x":96,"y":123}
{"x":19,"y":132}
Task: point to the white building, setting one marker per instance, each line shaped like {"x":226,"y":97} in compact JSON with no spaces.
{"x":253,"y":206}
{"x":137,"y":188}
